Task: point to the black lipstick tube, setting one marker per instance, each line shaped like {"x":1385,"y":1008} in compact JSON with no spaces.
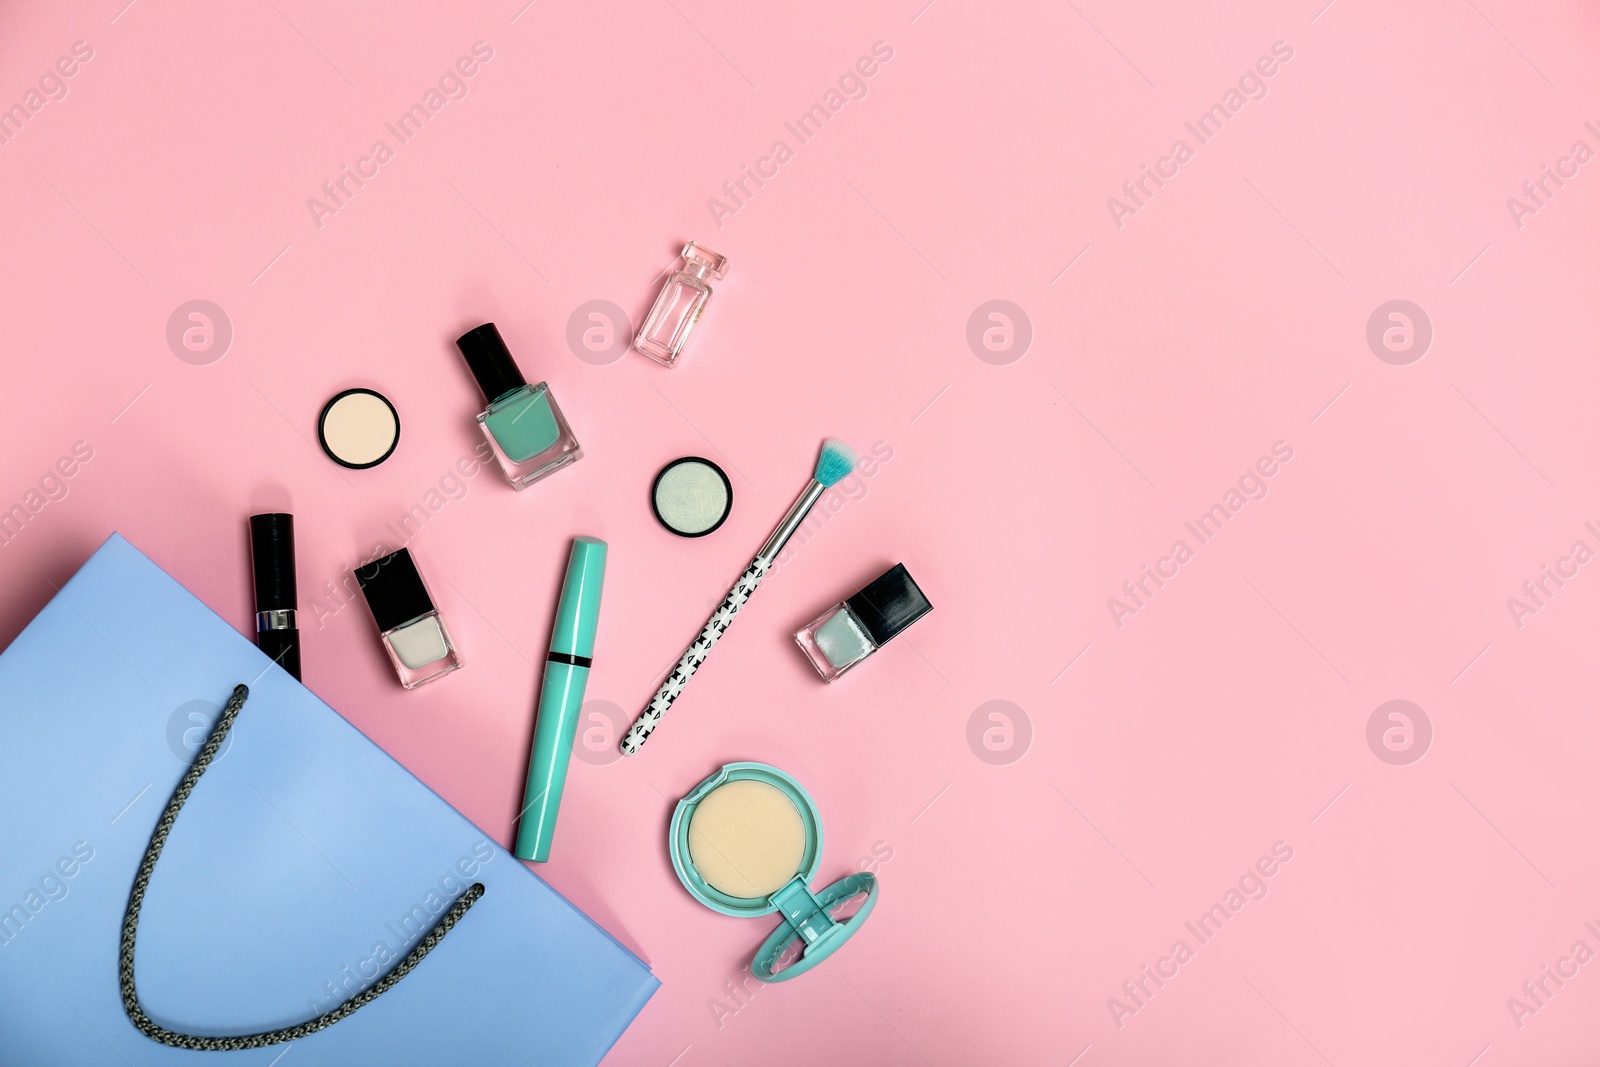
{"x":272,"y":553}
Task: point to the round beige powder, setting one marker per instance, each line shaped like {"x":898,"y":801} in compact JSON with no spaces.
{"x":359,"y":429}
{"x":746,"y":839}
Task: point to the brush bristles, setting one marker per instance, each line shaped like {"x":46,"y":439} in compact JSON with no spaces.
{"x":837,"y":460}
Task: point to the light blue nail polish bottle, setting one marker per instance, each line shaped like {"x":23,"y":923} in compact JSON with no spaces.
{"x":849,"y":632}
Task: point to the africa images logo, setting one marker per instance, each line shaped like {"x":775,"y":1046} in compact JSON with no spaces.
{"x":453,"y":84}
{"x":1252,"y":85}
{"x":1252,"y":885}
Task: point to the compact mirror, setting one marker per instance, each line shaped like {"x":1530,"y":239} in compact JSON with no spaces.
{"x":748,"y":841}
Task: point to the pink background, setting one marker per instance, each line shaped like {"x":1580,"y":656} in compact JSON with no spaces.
{"x":1164,"y":755}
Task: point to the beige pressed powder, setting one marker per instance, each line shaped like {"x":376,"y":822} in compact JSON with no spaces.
{"x":747,"y":839}
{"x":358,"y":428}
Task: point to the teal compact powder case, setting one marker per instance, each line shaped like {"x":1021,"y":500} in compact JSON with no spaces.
{"x":747,"y":841}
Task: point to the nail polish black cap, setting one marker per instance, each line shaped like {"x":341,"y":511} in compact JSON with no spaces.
{"x":272,"y":558}
{"x":490,"y":361}
{"x":889,"y":603}
{"x":394,"y":590}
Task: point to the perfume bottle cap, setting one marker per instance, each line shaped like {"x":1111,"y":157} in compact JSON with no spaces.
{"x":394,"y":590}
{"x":272,"y":557}
{"x":490,"y":361}
{"x":702,"y":262}
{"x":889,"y":603}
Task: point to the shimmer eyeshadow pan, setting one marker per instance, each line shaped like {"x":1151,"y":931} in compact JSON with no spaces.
{"x":691,"y":496}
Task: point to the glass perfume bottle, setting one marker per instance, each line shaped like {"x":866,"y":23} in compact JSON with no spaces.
{"x":523,"y":425}
{"x":849,"y":632}
{"x":413,"y":632}
{"x":672,"y":319}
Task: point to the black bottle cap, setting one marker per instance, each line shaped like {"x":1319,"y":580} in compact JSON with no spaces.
{"x":272,"y":555}
{"x":394,"y":590}
{"x":490,"y":361}
{"x":889,"y":603}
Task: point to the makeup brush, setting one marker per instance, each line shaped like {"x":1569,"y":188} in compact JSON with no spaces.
{"x":836,"y":460}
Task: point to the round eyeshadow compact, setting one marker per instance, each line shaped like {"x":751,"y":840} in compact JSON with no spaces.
{"x":691,"y":496}
{"x":358,"y":428}
{"x":747,"y":841}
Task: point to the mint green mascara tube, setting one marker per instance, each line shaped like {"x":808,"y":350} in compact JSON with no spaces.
{"x":566,"y":675}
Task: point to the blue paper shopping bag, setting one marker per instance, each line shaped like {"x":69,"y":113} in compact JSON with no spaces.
{"x":304,"y":866}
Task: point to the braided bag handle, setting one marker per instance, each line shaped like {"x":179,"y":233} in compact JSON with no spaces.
{"x":141,"y":881}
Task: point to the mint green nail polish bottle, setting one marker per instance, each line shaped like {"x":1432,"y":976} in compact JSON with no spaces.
{"x":523,"y":425}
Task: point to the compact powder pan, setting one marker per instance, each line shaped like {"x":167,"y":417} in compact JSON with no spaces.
{"x":747,"y":841}
{"x":358,"y":428}
{"x":691,"y":496}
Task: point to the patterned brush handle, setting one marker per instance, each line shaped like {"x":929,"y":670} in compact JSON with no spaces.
{"x":720,"y":620}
